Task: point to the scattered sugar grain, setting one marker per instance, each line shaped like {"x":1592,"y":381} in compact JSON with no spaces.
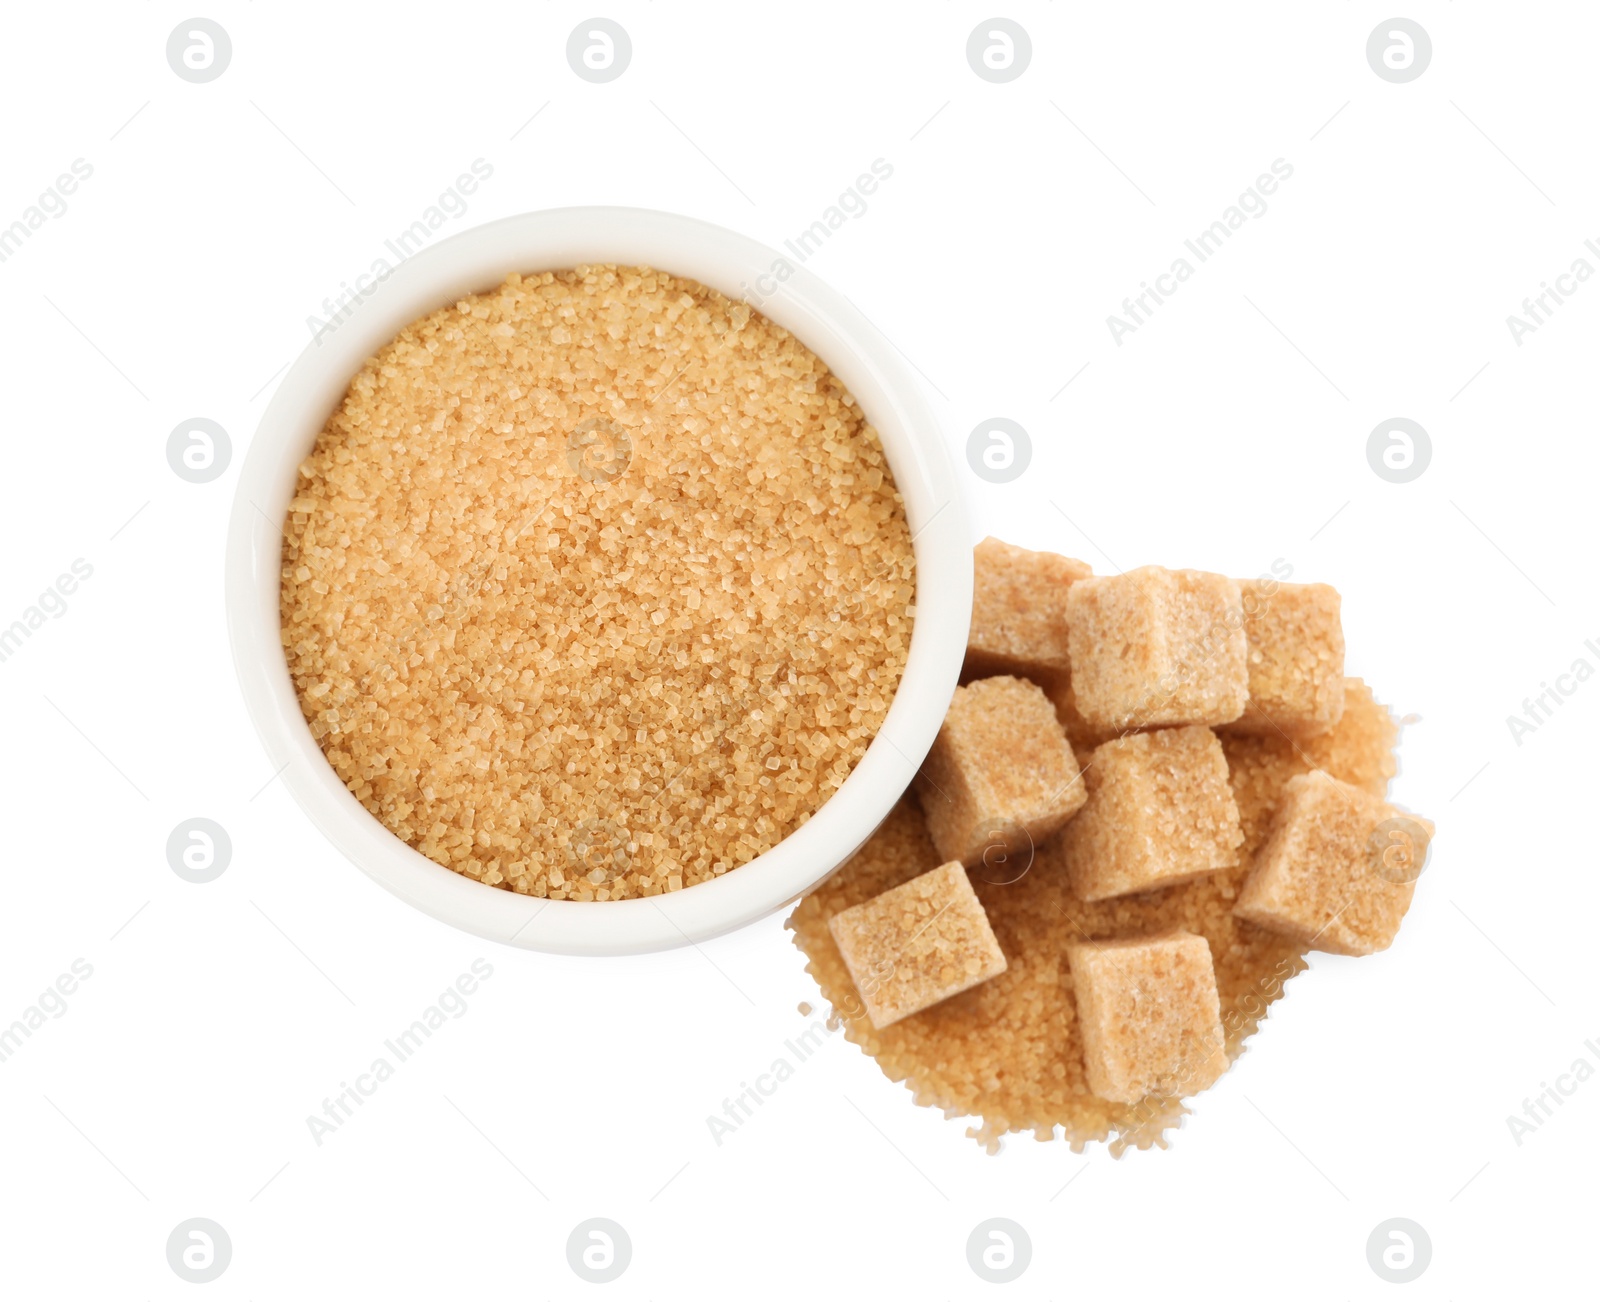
{"x":1009,"y":1053}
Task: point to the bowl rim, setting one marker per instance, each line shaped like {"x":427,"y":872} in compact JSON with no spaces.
{"x":828,"y":323}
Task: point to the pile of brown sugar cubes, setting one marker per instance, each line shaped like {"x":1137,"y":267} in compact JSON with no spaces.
{"x":1138,"y":673}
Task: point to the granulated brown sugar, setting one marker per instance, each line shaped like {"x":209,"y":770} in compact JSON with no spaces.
{"x":1359,"y":749}
{"x":1009,"y":1051}
{"x":596,"y":585}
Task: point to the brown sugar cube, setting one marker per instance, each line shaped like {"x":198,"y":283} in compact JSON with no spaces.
{"x":1149,"y":1015}
{"x":1019,"y":604}
{"x":917,"y":944}
{"x":1080,"y":732}
{"x":1337,"y":869}
{"x":1001,"y":776}
{"x":1160,"y":811}
{"x":1296,"y":658}
{"x":1154,"y":647}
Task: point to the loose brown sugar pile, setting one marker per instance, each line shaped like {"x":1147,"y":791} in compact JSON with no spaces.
{"x":1010,"y":1051}
{"x":596,"y":585}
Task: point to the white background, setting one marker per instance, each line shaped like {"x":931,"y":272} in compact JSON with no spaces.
{"x":1018,"y":217}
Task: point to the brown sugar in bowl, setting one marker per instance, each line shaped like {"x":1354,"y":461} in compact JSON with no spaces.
{"x":477,"y":262}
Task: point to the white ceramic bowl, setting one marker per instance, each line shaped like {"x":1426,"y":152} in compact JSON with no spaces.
{"x":740,"y":268}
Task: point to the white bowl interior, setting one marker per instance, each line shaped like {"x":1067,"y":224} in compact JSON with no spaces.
{"x":740,"y":268}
